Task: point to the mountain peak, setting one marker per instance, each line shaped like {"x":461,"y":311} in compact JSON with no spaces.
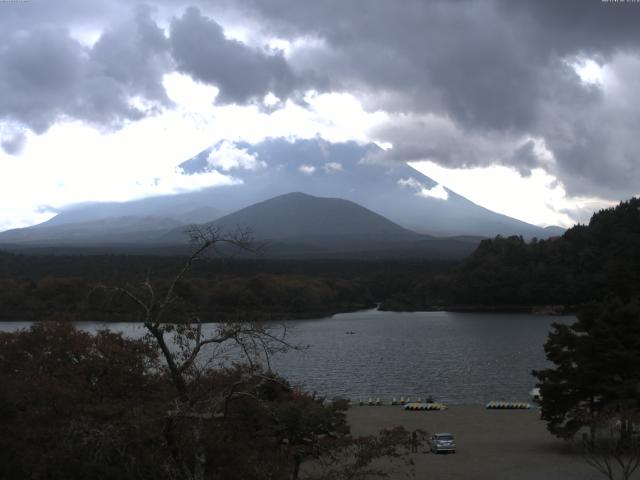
{"x":297,"y":214}
{"x":294,"y":196}
{"x":301,"y":172}
{"x":299,"y":225}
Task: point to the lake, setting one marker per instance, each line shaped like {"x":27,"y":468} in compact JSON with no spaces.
{"x":458,"y":358}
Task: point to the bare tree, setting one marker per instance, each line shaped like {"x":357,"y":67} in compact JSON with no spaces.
{"x":195,"y":354}
{"x":189,"y":348}
{"x":614,"y":450}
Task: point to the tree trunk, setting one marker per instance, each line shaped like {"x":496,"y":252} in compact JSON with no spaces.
{"x":199,"y":453}
{"x":625,"y":433}
{"x":592,"y":426}
{"x":296,"y":467}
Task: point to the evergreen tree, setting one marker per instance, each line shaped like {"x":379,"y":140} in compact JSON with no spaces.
{"x":596,"y":369}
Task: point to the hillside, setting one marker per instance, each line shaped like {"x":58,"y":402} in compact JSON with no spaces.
{"x":588,"y":262}
{"x":300,"y":225}
{"x":111,"y":230}
{"x":296,"y":215}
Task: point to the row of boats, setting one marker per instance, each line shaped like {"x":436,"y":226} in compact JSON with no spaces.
{"x":508,"y":406}
{"x":431,"y":405}
{"x":425,"y":406}
{"x":394,"y":401}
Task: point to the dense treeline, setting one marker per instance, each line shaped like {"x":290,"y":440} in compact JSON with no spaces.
{"x":589,"y":262}
{"x":38,"y":287}
{"x":271,"y":296}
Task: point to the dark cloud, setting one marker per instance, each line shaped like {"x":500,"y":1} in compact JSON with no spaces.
{"x":39,"y":74}
{"x":476,"y":82}
{"x":525,"y":158}
{"x":432,"y":137}
{"x":14,"y":144}
{"x":47,"y":75}
{"x":568,"y":26}
{"x":456,"y":58}
{"x":592,"y":132}
{"x":242,"y":73}
{"x":465,"y":82}
{"x":51,"y":70}
{"x":135,"y":54}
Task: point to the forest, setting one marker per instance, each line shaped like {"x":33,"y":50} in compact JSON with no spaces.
{"x":589,"y":262}
{"x":38,"y":287}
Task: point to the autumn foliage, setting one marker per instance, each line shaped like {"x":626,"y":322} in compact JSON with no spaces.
{"x":75,"y":405}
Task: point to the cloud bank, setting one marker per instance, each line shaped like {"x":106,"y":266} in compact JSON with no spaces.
{"x":472,"y":82}
{"x":463,"y":84}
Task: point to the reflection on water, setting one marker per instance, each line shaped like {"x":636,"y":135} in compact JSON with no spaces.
{"x":456,"y":357}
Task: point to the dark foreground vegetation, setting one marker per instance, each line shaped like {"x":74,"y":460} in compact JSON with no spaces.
{"x":79,"y":406}
{"x":590,"y":396}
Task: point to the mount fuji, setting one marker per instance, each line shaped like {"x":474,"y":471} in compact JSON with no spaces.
{"x":273,"y":168}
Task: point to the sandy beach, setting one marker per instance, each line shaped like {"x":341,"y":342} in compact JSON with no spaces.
{"x":492,"y":444}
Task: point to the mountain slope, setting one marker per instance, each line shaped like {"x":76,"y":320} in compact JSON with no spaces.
{"x":120,"y":230}
{"x":301,"y":215}
{"x":315,"y":167}
{"x":343,"y":170}
{"x":300,"y":225}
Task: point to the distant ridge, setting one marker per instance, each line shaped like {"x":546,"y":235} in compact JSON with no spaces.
{"x":118,"y":230}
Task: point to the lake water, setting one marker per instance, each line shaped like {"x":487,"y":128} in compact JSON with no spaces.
{"x":455,"y":357}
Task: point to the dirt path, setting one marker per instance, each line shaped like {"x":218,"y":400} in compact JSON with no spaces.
{"x":492,"y":444}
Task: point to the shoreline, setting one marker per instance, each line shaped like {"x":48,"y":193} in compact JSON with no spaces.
{"x":556,"y":310}
{"x":543,"y":310}
{"x":207,"y":317}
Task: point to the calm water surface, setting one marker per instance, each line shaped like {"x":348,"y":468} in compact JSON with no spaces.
{"x":456,"y":357}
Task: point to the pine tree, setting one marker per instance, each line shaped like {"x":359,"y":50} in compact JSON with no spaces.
{"x":597,"y":369}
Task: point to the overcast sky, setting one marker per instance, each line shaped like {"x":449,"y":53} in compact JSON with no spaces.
{"x":528,"y":108}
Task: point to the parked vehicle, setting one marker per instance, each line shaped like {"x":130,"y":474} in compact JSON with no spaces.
{"x":442,"y":442}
